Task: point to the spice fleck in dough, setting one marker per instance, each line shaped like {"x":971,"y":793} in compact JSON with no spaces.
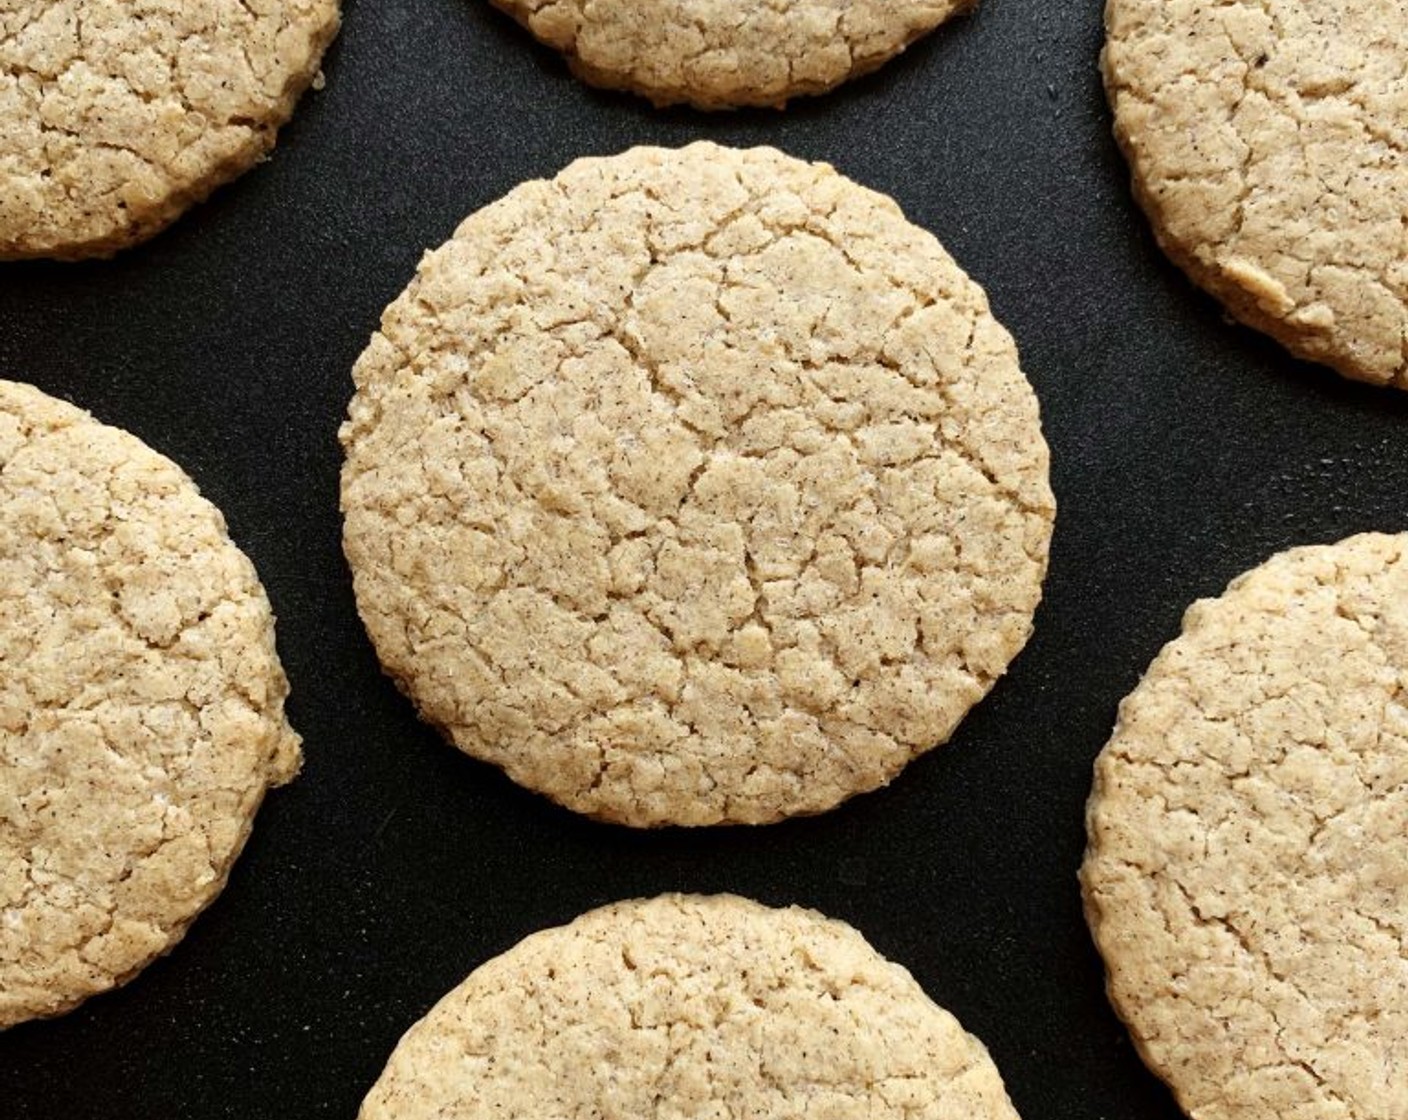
{"x":117,"y":115}
{"x":690,"y":1007}
{"x":694,"y":486}
{"x":141,"y":704}
{"x":716,"y":54}
{"x":1247,"y":874}
{"x":1268,"y":140}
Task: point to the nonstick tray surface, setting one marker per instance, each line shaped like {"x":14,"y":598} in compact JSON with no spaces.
{"x":1184,"y":450}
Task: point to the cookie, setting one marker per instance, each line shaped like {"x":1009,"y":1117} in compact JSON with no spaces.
{"x":689,"y":1006}
{"x":118,"y":115}
{"x":141,"y":704}
{"x":694,"y":486}
{"x":1247,"y":871}
{"x":714,"y":56}
{"x":1266,"y":139}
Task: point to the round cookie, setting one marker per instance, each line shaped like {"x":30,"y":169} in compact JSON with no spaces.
{"x":716,"y":55}
{"x":118,"y":115}
{"x":1247,"y":871}
{"x":694,"y":486}
{"x":1266,"y":139}
{"x":692,"y":1007}
{"x":141,"y":704}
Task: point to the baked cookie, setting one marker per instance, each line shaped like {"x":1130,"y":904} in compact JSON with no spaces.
{"x":692,"y":1007}
{"x":1247,"y":874}
{"x":716,"y":55}
{"x":694,"y":486}
{"x":1267,"y":141}
{"x":118,"y":115}
{"x":141,"y":704}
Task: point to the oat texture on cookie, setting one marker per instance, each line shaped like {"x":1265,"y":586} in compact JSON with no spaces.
{"x":687,"y":1006}
{"x":1269,"y":145}
{"x":694,"y":486}
{"x":713,"y":54}
{"x":1247,"y":871}
{"x":117,"y":115}
{"x":141,"y":704}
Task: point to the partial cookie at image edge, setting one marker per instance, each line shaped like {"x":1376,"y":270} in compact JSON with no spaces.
{"x":694,"y":1000}
{"x":1245,"y":252}
{"x":1243,"y":878}
{"x":141,"y":710}
{"x":114,"y":127}
{"x":676,"y":59}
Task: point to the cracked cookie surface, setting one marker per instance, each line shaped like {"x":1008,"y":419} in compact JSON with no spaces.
{"x":141,"y":704}
{"x":1247,"y":871}
{"x":687,"y":1006}
{"x":1269,"y":146}
{"x":694,"y":486}
{"x":714,"y":54}
{"x":118,"y":115}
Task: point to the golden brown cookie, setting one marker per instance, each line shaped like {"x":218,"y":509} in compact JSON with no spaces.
{"x":1247,"y":871}
{"x":118,"y":115}
{"x":713,"y":54}
{"x":141,"y":704}
{"x":1267,"y":141}
{"x":690,"y":1007}
{"x":694,"y":486}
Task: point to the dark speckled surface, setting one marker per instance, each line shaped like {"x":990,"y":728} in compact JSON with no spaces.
{"x":1185,"y":450}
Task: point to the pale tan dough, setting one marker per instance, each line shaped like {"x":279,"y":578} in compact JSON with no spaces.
{"x":1247,"y":871}
{"x":690,"y":1007}
{"x":118,"y":115}
{"x":1269,"y":145}
{"x":717,"y":54}
{"x":694,"y":486}
{"x":141,"y":704}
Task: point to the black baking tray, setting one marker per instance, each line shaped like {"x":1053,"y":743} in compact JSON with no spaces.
{"x":1185,"y":449}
